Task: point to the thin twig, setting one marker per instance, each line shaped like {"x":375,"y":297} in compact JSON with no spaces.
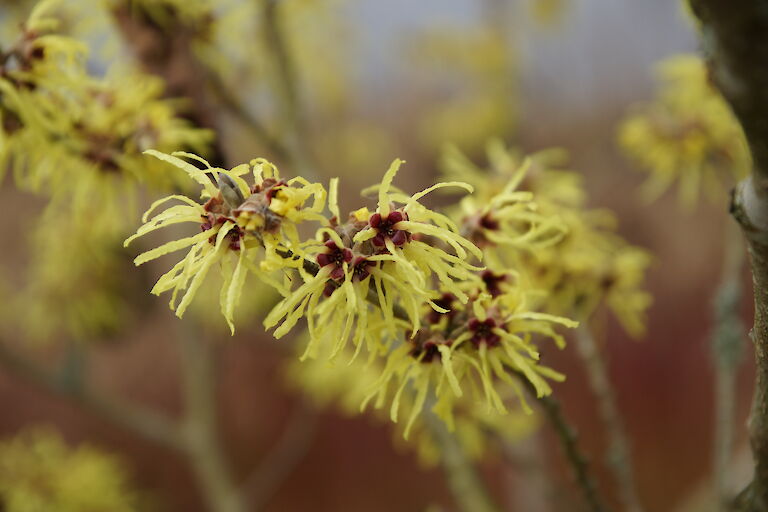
{"x":286,"y":86}
{"x":199,"y":365}
{"x":144,"y":422}
{"x":234,"y":106}
{"x":727,"y":348}
{"x":619,"y":454}
{"x":285,"y":72}
{"x":530,"y":486}
{"x":283,"y":458}
{"x":466,"y":486}
{"x":569,"y":442}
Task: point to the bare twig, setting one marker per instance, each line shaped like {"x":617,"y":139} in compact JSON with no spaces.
{"x":286,"y":86}
{"x":466,"y":486}
{"x":198,"y":365}
{"x":146,"y":423}
{"x":283,"y":458}
{"x":234,"y":106}
{"x":727,"y":348}
{"x":618,"y":456}
{"x":569,"y":442}
{"x":529,"y":484}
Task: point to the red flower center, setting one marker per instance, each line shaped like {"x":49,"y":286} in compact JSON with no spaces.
{"x":387,"y":228}
{"x":482,"y":332}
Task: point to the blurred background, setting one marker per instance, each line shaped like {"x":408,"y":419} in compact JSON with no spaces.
{"x":397,"y":79}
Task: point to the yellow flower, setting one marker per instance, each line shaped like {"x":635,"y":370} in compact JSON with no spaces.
{"x":240,"y":224}
{"x":377,"y":260}
{"x":501,"y":217}
{"x":568,"y":256}
{"x":38,"y":471}
{"x":345,"y":386}
{"x":487,"y":345}
{"x":87,"y":123}
{"x":398,"y":232}
{"x":84,"y":299}
{"x":687,"y":134}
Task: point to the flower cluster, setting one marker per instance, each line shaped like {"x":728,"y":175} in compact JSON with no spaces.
{"x":88,"y":124}
{"x":345,"y":386}
{"x":240,"y":225}
{"x":38,"y":471}
{"x":572,"y":271}
{"x":470,"y":350}
{"x":399,"y":282}
{"x":687,"y":134}
{"x":93,"y":129}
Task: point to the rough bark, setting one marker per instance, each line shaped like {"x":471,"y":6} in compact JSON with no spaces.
{"x":733,"y":34}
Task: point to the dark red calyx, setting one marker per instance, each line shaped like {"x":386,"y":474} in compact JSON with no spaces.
{"x":425,"y":346}
{"x":361,"y":268}
{"x":335,"y":256}
{"x":493,"y":282}
{"x":387,"y":228}
{"x":488,"y":222}
{"x":482,"y":332}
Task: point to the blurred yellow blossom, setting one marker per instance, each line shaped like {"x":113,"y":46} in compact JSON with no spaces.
{"x":345,"y":385}
{"x":236,"y":222}
{"x":581,"y":263}
{"x":39,"y":472}
{"x":686,"y":134}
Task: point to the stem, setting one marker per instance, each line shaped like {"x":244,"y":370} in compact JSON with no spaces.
{"x":466,"y":486}
{"x":144,"y":422}
{"x":284,"y":456}
{"x":733,"y":38}
{"x":618,"y":456}
{"x":569,"y":442}
{"x":198,"y":365}
{"x":529,"y":484}
{"x":727,"y":347}
{"x":167,"y":52}
{"x":234,"y":106}
{"x":286,"y":86}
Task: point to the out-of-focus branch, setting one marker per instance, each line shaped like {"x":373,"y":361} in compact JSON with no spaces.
{"x":727,"y":348}
{"x":286,"y":86}
{"x":466,"y":486}
{"x":167,"y":52}
{"x":570,"y":445}
{"x":733,"y":38}
{"x":237,"y":109}
{"x":529,"y":485}
{"x":198,"y":365}
{"x":619,"y":458}
{"x":146,"y":423}
{"x":284,"y":456}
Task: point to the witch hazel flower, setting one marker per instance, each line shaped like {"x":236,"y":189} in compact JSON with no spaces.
{"x":393,"y":259}
{"x":386,"y":228}
{"x":240,"y":225}
{"x":422,"y":242}
{"x":476,"y":352}
{"x":499,"y":339}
